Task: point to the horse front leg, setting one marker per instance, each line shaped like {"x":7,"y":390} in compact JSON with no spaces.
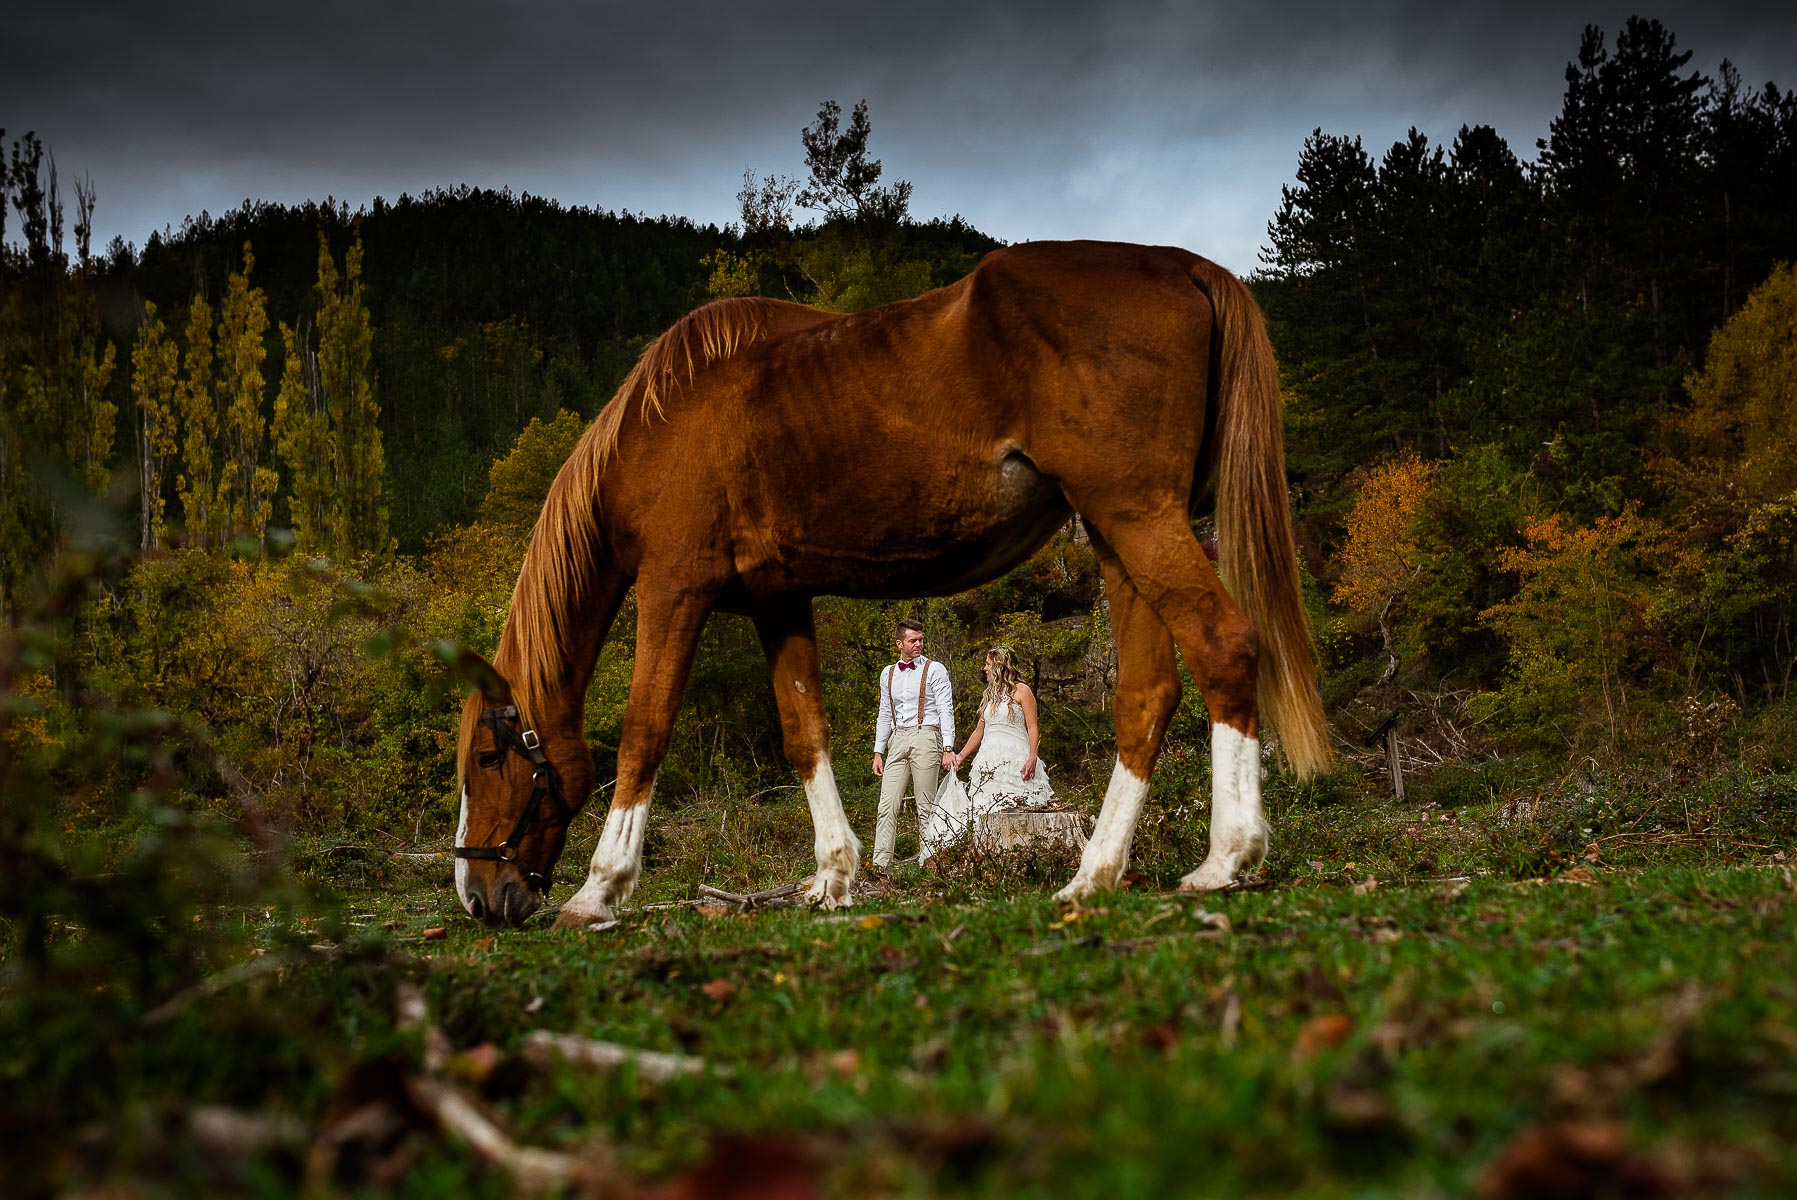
{"x":1147,"y":695}
{"x":668,"y":625}
{"x":788,"y":635}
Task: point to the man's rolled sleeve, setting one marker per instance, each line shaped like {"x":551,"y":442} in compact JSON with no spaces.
{"x":883,"y":726}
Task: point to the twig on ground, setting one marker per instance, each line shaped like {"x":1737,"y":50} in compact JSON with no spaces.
{"x":771,"y":898}
{"x":535,"y":1170}
{"x":782,"y":787}
{"x":1232,"y":1019}
{"x":542,"y":1047}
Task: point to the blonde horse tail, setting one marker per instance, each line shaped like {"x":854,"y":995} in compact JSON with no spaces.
{"x":1256,"y":550}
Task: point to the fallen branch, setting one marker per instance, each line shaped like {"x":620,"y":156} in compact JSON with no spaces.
{"x":535,"y":1170}
{"x":542,"y":1047}
{"x":745,"y":901}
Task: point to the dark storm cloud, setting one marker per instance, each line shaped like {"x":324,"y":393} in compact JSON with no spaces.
{"x":1150,"y":121}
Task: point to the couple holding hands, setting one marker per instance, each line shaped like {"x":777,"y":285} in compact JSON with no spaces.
{"x":914,"y":736}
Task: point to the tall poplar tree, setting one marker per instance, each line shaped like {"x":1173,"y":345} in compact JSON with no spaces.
{"x":345,"y":345}
{"x":327,"y":421}
{"x":195,"y":484}
{"x":246,"y":484}
{"x":155,"y":381}
{"x":302,"y":429}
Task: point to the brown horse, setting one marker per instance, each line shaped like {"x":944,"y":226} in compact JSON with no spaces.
{"x":763,"y":453}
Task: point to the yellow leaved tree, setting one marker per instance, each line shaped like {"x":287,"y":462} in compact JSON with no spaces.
{"x":1381,"y":557}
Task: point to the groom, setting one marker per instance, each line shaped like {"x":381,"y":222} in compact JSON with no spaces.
{"x":916,"y":728}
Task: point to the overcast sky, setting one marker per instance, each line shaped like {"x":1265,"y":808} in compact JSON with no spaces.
{"x":1138,"y":121}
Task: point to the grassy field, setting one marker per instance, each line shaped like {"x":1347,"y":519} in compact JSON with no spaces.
{"x":1579,"y":995}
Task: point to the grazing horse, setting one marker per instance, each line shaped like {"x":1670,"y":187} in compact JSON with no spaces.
{"x":763,"y":453}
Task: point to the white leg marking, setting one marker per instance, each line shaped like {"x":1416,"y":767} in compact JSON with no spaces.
{"x":1107,"y":853}
{"x":461,"y":864}
{"x":617,"y":861}
{"x":1238,"y":824}
{"x":838,"y":850}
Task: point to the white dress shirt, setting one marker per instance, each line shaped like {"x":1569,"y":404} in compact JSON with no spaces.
{"x":898,"y":701}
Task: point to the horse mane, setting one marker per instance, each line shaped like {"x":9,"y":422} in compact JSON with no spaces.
{"x":707,"y":334}
{"x":566,"y":551}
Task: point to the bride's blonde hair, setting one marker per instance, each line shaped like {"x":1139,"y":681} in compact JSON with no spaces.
{"x":1003,"y":681}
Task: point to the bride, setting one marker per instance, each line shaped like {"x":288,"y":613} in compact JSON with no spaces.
{"x":1006,"y":773}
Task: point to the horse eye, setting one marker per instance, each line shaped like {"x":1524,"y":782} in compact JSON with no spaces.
{"x":489,"y":759}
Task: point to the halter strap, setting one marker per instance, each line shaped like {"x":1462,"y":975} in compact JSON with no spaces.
{"x":546,"y":784}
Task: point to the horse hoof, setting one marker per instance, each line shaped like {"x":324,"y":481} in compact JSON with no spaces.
{"x":570,"y":918}
{"x":1211,"y":877}
{"x":829,"y":894}
{"x":1078,"y":889}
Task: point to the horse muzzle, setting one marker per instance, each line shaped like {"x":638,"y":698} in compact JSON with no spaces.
{"x":509,"y":902}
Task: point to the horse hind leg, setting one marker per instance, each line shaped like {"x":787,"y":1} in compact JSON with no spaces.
{"x":1147,"y":695}
{"x":667,"y":631}
{"x":789,"y":637}
{"x":1169,"y":569}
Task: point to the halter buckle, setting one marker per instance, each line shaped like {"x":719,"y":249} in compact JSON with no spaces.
{"x":530,"y":739}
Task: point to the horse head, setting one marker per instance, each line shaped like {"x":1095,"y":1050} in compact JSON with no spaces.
{"x":524,"y":774}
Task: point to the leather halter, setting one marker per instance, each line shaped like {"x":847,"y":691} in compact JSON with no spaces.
{"x":545,"y":784}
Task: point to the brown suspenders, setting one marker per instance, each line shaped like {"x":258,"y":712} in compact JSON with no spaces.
{"x":923,"y":675}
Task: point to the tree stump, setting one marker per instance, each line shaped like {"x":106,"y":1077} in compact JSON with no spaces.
{"x":1029,"y":827}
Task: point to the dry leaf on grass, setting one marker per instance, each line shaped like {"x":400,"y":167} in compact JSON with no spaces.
{"x":1572,"y":1158}
{"x":1322,"y":1033}
{"x":747,"y":1168}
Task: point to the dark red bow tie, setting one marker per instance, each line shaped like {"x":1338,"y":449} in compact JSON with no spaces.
{"x":906,"y":666}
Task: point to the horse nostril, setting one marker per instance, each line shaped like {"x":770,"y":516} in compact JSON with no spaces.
{"x":515,"y":902}
{"x":477,"y":908}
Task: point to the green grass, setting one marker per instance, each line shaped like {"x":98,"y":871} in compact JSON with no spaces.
{"x":1398,"y":1000}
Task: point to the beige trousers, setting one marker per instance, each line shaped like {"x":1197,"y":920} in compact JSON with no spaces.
{"x":913,"y":751}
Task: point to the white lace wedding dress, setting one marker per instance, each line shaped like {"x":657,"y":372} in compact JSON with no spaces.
{"x":995,"y":781}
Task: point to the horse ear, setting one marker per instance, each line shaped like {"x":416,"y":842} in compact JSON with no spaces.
{"x":483,"y":675}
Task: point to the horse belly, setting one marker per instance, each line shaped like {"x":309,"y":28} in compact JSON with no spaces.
{"x":944,"y":532}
